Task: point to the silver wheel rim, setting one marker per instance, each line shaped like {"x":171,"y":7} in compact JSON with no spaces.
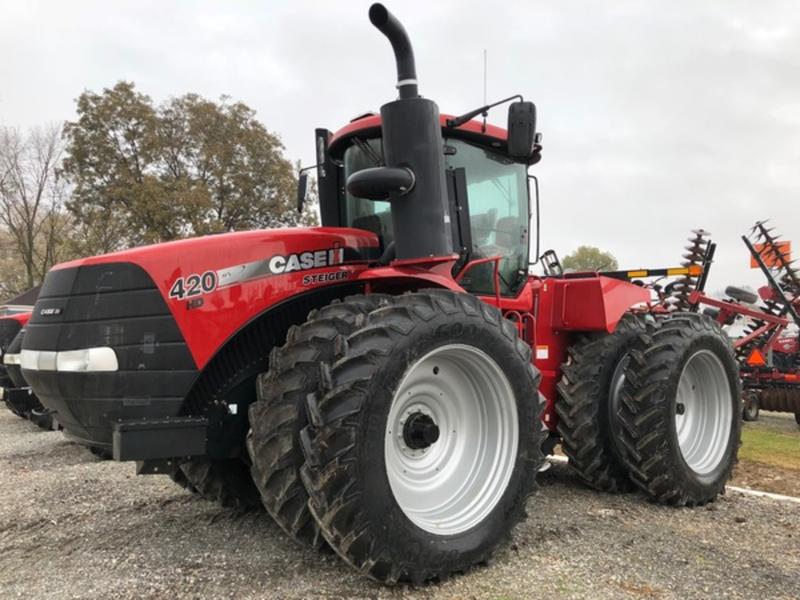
{"x":615,"y":390}
{"x":453,"y":484}
{"x":704,"y":410}
{"x":617,"y":381}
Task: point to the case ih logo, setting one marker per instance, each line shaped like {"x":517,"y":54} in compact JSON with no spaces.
{"x":280,"y":264}
{"x":50,"y":312}
{"x":306,"y":260}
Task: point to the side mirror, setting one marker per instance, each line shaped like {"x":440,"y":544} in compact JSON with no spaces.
{"x":521,"y":129}
{"x":378,"y":183}
{"x":302,"y":190}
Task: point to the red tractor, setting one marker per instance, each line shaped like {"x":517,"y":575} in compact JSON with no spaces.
{"x":387,"y":384}
{"x":16,"y":393}
{"x":10,"y":326}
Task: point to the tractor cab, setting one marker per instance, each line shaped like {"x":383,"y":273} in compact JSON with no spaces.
{"x":488,"y":196}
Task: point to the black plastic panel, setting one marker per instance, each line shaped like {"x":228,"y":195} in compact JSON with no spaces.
{"x":115,"y":305}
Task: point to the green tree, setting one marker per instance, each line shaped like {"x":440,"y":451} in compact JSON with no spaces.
{"x":589,"y":258}
{"x":144,"y":173}
{"x":34,"y":228}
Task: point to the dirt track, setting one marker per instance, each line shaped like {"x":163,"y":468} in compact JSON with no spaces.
{"x":72,"y":526}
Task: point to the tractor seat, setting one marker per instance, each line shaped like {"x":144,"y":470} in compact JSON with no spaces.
{"x":377,"y":225}
{"x":507,"y":233}
{"x":371,"y":223}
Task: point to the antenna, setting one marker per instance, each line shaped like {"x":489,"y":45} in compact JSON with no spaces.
{"x":484,"y":75}
{"x":485,"y":69}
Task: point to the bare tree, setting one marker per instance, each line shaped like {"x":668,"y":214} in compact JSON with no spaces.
{"x":31,"y":200}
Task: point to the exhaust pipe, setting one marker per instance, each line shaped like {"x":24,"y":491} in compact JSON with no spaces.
{"x":393,"y":29}
{"x":413,"y":179}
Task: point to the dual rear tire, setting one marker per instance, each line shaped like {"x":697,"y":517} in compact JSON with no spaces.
{"x":587,"y":404}
{"x":655,"y":404}
{"x":680,"y":411}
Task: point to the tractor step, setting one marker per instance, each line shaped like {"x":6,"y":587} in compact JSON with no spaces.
{"x":150,"y":439}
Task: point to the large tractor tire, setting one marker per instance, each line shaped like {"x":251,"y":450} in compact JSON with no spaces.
{"x":587,"y":405}
{"x":751,"y":407}
{"x":227,"y":482}
{"x":425,"y":438}
{"x":279,"y":415}
{"x":177,"y":475}
{"x":680,"y":410}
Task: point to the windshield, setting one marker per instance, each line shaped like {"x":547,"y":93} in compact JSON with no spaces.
{"x":369,"y":215}
{"x":497,"y":190}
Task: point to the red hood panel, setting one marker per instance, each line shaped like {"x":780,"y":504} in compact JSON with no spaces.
{"x":215,"y":284}
{"x":21,"y":318}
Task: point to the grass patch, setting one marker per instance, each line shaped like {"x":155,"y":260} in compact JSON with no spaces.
{"x":771,"y":448}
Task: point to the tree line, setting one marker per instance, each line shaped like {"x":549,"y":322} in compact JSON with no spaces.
{"x":128,"y":172}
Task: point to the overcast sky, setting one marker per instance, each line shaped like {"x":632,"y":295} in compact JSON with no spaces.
{"x":658,"y":117}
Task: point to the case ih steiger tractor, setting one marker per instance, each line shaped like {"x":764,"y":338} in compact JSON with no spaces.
{"x":10,"y":326}
{"x":17,"y":398}
{"x":16,"y":393}
{"x":387,"y":384}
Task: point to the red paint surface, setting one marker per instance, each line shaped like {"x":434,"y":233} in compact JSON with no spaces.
{"x":21,"y":318}
{"x":372,"y":124}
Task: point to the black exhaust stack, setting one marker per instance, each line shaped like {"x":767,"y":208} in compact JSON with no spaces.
{"x":413,"y":179}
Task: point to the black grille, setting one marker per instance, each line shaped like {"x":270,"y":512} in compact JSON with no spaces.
{"x":116,"y":305}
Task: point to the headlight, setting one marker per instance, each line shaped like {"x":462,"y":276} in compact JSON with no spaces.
{"x":85,"y":360}
{"x":11,"y":359}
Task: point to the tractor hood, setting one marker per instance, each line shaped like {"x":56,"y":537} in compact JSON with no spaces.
{"x":213,"y":285}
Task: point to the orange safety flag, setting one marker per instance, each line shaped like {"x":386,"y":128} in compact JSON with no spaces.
{"x":756,"y":358}
{"x":769,"y":257}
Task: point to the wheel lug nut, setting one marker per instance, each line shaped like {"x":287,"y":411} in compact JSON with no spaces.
{"x":680,"y":408}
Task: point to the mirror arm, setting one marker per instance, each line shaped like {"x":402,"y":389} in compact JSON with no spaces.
{"x":459,"y":121}
{"x":302,"y":185}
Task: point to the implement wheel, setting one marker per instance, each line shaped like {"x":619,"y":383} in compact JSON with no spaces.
{"x":751,"y":408}
{"x":425,"y":438}
{"x":279,"y":415}
{"x":680,"y":410}
{"x":587,"y":405}
{"x":741,"y":295}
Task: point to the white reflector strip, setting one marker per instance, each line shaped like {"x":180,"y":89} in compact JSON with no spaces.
{"x":11,"y":359}
{"x":72,"y":361}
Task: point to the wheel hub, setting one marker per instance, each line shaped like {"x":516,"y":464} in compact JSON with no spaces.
{"x":420,"y":431}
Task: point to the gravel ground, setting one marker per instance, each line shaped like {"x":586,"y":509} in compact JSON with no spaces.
{"x":73,"y":526}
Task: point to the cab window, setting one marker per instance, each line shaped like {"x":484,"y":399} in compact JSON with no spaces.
{"x":498,"y":205}
{"x":497,"y":190}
